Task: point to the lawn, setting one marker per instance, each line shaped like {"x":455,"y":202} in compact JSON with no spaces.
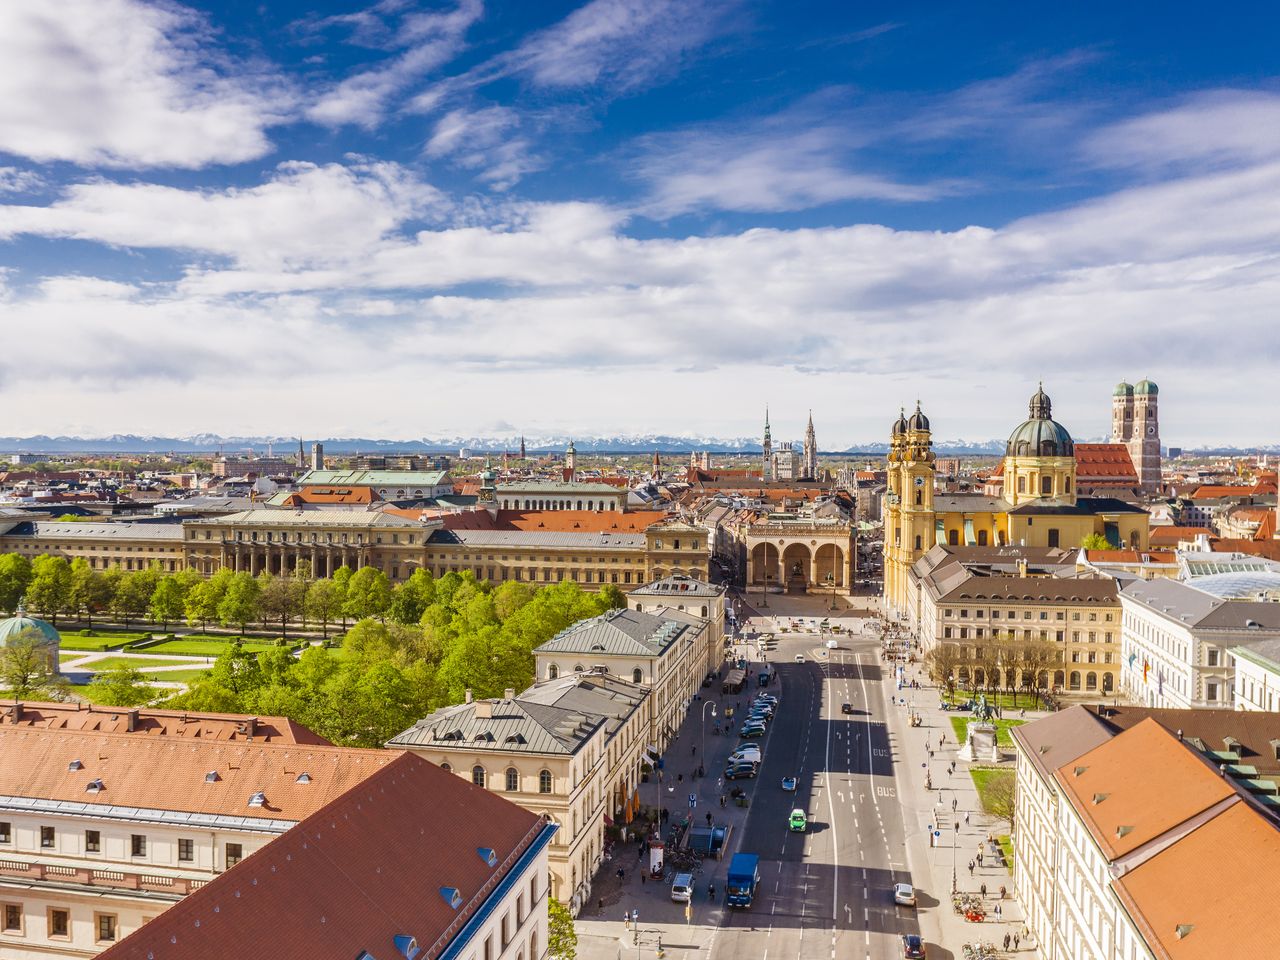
{"x":1006,"y":844}
{"x":177,"y":676}
{"x":1021,"y":700}
{"x":204,"y":648}
{"x":992,"y":784}
{"x":90,"y":644}
{"x":65,"y":657}
{"x":960,"y":726}
{"x":107,"y":663}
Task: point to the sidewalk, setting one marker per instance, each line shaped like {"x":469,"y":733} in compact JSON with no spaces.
{"x":602,"y":933}
{"x":951,"y":808}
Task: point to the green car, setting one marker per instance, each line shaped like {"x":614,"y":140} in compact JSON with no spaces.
{"x":798,"y":821}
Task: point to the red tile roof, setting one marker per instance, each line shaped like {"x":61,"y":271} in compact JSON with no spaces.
{"x":1213,"y":491}
{"x":1267,"y":529}
{"x":1256,"y":548}
{"x":332,"y":494}
{"x":1103,"y":464}
{"x":1170,"y":535}
{"x":159,"y":723}
{"x":366,"y":868}
{"x":1131,"y":556}
{"x":168,"y":773}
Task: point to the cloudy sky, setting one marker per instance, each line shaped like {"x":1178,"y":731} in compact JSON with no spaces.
{"x":447,"y":217}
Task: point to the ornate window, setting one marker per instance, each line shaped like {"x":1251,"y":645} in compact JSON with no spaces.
{"x":544,"y":781}
{"x":477,"y":775}
{"x":513,"y":780}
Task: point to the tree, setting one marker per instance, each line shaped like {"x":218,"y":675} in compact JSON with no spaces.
{"x":410,"y":599}
{"x":90,"y":590}
{"x":204,"y":597}
{"x":15,"y":577}
{"x":611,"y":597}
{"x":562,"y":938}
{"x":368,"y":594}
{"x":121,"y":686}
{"x":50,"y":589}
{"x":29,"y":666}
{"x":132,"y":598}
{"x":1000,"y":796}
{"x":168,"y":601}
{"x":341,"y":579}
{"x":235,"y":669}
{"x":323,"y":603}
{"x":239,"y":605}
{"x":281,"y":599}
{"x":1095,"y":541}
{"x":941,"y":662}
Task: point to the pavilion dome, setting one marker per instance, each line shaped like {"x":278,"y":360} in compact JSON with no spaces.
{"x":1145,"y":388}
{"x":14,"y":626}
{"x":1040,"y":435}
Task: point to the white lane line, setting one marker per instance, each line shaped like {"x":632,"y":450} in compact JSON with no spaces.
{"x":835,"y":838}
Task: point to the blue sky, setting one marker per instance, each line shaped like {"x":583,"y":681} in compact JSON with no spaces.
{"x":468,"y":217}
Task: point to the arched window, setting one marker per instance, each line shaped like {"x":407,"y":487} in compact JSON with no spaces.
{"x":513,"y":780}
{"x":918,"y":542}
{"x":919,"y":495}
{"x":477,"y":775}
{"x":1046,"y":485}
{"x":953,"y":537}
{"x":982,"y":538}
{"x":637,"y":675}
{"x":553,"y":672}
{"x":1067,"y":486}
{"x":577,"y":668}
{"x":544,"y":781}
{"x":1022,"y":484}
{"x":446,"y":768}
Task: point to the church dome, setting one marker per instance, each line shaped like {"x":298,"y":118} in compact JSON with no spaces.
{"x":900,"y":426}
{"x":1040,"y":435}
{"x":11,"y":628}
{"x":1145,"y":388}
{"x":918,"y":420}
{"x":1123,"y":389}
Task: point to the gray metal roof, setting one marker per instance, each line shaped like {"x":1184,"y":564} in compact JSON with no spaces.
{"x":330,"y":517}
{"x":125,"y":530}
{"x":561,"y":487}
{"x":627,"y":633}
{"x":670,"y":588}
{"x":539,"y":539}
{"x":515,"y":726}
{"x":1254,"y":585}
{"x":374,"y":478}
{"x":1189,"y":605}
{"x":173,"y":818}
{"x":592,"y":694}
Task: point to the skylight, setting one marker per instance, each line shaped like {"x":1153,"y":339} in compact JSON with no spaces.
{"x":258,"y":799}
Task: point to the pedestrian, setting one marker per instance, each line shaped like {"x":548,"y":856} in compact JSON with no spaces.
{"x":642,"y":878}
{"x":983,"y":888}
{"x":1007,"y":938}
{"x":1003,"y":891}
{"x":979,"y":858}
{"x":621,"y":873}
{"x":966,"y":818}
{"x":954,"y":801}
{"x":942,"y":738}
{"x":1016,"y":938}
{"x":693,"y":751}
{"x":600,"y":905}
{"x":971,"y":868}
{"x":640,"y":852}
{"x":999,"y":912}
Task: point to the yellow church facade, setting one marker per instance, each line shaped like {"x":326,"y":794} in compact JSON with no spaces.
{"x":1039,"y":506}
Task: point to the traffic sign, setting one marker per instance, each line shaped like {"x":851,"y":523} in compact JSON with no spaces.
{"x":693,"y":800}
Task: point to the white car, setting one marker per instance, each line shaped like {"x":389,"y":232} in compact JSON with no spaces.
{"x":682,"y":887}
{"x":832,"y":644}
{"x":800,"y":658}
{"x":904,"y":894}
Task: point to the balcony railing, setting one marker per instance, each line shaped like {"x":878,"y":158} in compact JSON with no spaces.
{"x":92,"y":877}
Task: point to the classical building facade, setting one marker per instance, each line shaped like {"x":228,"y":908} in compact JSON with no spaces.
{"x":801,"y":555}
{"x":1039,"y":505}
{"x":560,"y":495}
{"x":1135,"y":422}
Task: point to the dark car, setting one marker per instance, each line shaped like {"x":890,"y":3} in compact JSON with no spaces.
{"x":912,"y":947}
{"x":736,"y":771}
{"x":846,"y":708}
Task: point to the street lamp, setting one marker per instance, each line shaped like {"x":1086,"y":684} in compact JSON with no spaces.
{"x":706,"y":703}
{"x":831,"y":586}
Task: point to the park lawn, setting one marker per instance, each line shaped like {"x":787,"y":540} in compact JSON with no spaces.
{"x":177,"y":676}
{"x":1003,"y":739}
{"x":204,"y":648}
{"x":1021,"y":700}
{"x":107,"y":663}
{"x":1006,"y":844}
{"x":78,"y":655}
{"x":986,"y":779}
{"x":92,"y":644}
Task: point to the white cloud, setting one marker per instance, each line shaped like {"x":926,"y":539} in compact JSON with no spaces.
{"x":485,"y":140}
{"x":15,"y":180}
{"x":304,"y":216}
{"x":123,"y":83}
{"x":426,"y":41}
{"x":1217,"y":127}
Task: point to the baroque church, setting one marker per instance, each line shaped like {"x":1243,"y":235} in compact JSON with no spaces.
{"x":1039,"y":505}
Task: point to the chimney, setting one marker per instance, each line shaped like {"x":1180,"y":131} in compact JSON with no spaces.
{"x":132,"y":715}
{"x":252,"y":724}
{"x":468,"y":696}
{"x":509,"y":693}
{"x":1022,"y":566}
{"x":484,"y":709}
{"x":17,"y":711}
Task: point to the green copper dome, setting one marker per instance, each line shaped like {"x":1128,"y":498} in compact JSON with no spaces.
{"x":1145,"y":388}
{"x":1123,"y":389}
{"x":1040,"y":435}
{"x":14,"y":626}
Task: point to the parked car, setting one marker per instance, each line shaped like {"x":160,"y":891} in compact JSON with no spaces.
{"x":797,"y":822}
{"x":800,"y":658}
{"x":738,"y":771}
{"x":682,"y":888}
{"x":748,"y":751}
{"x":904,"y":894}
{"x":789,"y":784}
{"x":752,"y":730}
{"x":912,"y":947}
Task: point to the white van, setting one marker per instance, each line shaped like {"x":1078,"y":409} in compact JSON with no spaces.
{"x":682,"y":887}
{"x":748,"y":753}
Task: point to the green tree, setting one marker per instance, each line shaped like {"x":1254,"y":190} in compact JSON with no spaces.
{"x":562,"y":938}
{"x":204,"y":597}
{"x":410,"y":599}
{"x":132,"y":597}
{"x":341,"y":579}
{"x":323,"y":603}
{"x":611,"y":597}
{"x":239,"y":605}
{"x":15,"y":577}
{"x":90,"y":589}
{"x":168,"y":601}
{"x":281,"y":599}
{"x":29,"y":666}
{"x":1095,"y":541}
{"x":121,"y":686}
{"x":368,"y":594}
{"x":50,"y":589}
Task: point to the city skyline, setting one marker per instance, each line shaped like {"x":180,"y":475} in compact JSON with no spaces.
{"x":459,"y":218}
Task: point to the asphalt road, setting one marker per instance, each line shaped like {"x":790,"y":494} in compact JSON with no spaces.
{"x":826,"y":891}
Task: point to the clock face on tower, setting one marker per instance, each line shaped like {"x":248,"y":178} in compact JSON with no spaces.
{"x":1151,"y":430}
{"x":919,"y":481}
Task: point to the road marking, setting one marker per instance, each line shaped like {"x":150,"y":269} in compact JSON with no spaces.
{"x":835,"y":839}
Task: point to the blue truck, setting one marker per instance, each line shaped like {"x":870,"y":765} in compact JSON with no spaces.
{"x":744,"y":877}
